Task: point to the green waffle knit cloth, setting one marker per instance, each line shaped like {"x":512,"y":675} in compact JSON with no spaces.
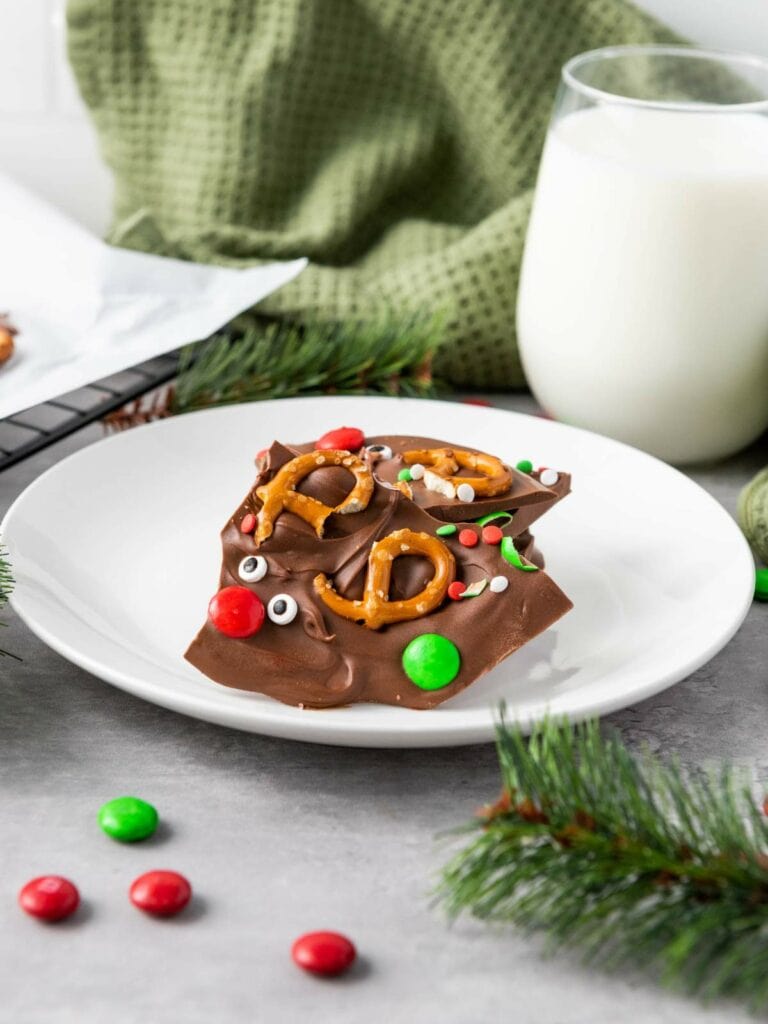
{"x":393,"y":142}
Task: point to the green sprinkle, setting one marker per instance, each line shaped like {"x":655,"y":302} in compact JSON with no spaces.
{"x":525,"y":466}
{"x":128,"y":819}
{"x":761,"y":585}
{"x":446,"y":531}
{"x":506,"y":516}
{"x":510,"y":553}
{"x":475,"y":589}
{"x":404,"y":474}
{"x":431,"y":661}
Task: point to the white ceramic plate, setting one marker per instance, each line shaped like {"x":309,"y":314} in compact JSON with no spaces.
{"x":116,"y":554}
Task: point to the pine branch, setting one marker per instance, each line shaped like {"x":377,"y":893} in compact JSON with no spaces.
{"x":386,"y":356}
{"x":6,"y":586}
{"x":625,"y":858}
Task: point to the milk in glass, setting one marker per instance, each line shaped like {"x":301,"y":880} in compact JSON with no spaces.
{"x":643,"y":303}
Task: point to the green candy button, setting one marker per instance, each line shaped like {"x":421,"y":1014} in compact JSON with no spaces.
{"x":525,"y":466}
{"x":128,"y":819}
{"x":446,"y":531}
{"x":405,"y":474}
{"x":761,"y":585}
{"x":431,"y":661}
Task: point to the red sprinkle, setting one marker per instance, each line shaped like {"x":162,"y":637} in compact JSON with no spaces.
{"x":162,"y":893}
{"x":248,"y":524}
{"x":456,"y":589}
{"x":468,"y":538}
{"x":345,"y":439}
{"x":236,"y":612}
{"x":49,"y":898}
{"x":492,"y":535}
{"x":323,"y":952}
{"x":262,"y":454}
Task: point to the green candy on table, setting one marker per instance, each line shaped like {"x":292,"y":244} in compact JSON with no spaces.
{"x":761,"y":585}
{"x":128,"y":819}
{"x":431,"y":661}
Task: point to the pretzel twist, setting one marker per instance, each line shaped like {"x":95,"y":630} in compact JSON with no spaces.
{"x":496,"y":478}
{"x":375,"y":609}
{"x":280,"y":493}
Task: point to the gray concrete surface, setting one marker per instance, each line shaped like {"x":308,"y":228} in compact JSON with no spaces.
{"x":279,"y":838}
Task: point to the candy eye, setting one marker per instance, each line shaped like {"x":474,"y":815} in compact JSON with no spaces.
{"x":379,"y":451}
{"x":282,"y":609}
{"x":252,"y":569}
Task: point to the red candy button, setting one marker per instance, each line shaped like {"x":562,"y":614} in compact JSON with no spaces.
{"x":482,"y":402}
{"x":323,"y":952}
{"x":468,"y":538}
{"x":248,"y":524}
{"x":236,"y":612}
{"x":50,"y":898}
{"x":345,"y":439}
{"x":456,"y":589}
{"x":162,"y":893}
{"x":492,"y":535}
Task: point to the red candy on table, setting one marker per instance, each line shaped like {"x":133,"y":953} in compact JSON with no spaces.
{"x":236,"y":612}
{"x":162,"y":893}
{"x":248,"y":524}
{"x":323,"y":952}
{"x":492,"y":535}
{"x":345,"y":439}
{"x":468,"y":538}
{"x":49,"y":898}
{"x":456,"y":589}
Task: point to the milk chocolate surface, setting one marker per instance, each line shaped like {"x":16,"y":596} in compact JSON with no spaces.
{"x":322,"y":659}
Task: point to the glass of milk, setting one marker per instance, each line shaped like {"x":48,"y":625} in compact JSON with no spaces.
{"x":643,"y":303}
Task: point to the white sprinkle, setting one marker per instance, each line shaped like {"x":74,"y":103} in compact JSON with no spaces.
{"x":465,"y":492}
{"x":405,"y":547}
{"x":548,"y":477}
{"x":499,"y":584}
{"x":417,"y":471}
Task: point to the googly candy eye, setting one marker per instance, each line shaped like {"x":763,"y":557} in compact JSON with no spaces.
{"x":253,"y":568}
{"x":379,"y":451}
{"x":282,"y":609}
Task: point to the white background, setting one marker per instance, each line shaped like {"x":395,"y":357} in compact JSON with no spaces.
{"x":41,"y":114}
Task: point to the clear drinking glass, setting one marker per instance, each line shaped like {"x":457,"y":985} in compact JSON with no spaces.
{"x":643,"y":302}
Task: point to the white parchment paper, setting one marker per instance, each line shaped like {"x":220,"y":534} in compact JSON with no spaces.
{"x":85,"y":309}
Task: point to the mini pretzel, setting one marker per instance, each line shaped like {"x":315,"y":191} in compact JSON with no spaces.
{"x":280,"y":493}
{"x":445,"y":462}
{"x":375,"y":609}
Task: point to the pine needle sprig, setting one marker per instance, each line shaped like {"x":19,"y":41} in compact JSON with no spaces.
{"x":6,"y":586}
{"x":625,"y":858}
{"x":390,"y":356}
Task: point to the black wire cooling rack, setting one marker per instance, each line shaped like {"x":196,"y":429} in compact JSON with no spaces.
{"x":28,"y":432}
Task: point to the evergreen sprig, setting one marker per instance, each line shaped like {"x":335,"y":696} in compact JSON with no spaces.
{"x":280,"y":360}
{"x":626,"y":858}
{"x":6,"y":586}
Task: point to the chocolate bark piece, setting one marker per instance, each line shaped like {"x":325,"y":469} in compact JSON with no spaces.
{"x":321,"y":659}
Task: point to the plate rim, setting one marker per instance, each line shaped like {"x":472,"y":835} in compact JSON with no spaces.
{"x":472,"y":725}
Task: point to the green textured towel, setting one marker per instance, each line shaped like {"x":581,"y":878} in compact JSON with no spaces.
{"x":394,"y":142}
